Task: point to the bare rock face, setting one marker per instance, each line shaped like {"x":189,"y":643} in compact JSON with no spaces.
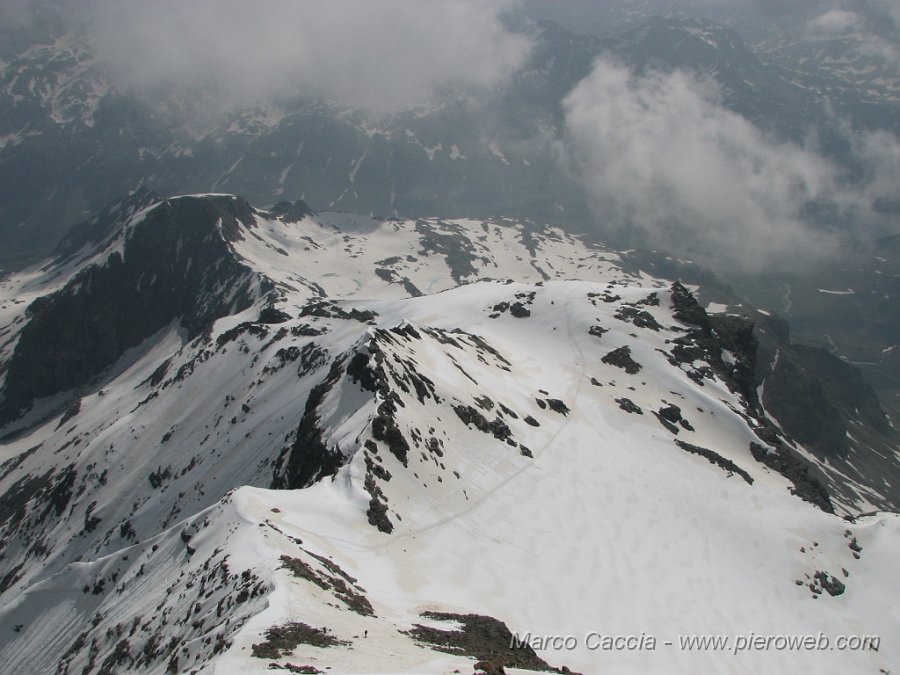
{"x":175,"y":265}
{"x":621,"y":358}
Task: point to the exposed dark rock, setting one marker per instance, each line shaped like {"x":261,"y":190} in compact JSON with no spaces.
{"x":177,"y":266}
{"x":407,"y":330}
{"x":812,"y":394}
{"x":489,"y":668}
{"x":481,"y":637}
{"x":92,"y":234}
{"x":497,"y":427}
{"x":377,"y":469}
{"x":824,"y":403}
{"x":159,"y":477}
{"x":797,"y":470}
{"x":309,"y":458}
{"x":670,"y":412}
{"x":335,"y":581}
{"x":385,"y":429}
{"x":39,"y":496}
{"x":666,"y":423}
{"x":291,"y":668}
{"x":10,"y":465}
{"x":304,"y":329}
{"x":484,"y":402}
{"x":451,"y":242}
{"x":629,"y":406}
{"x":520,"y":311}
{"x":233,"y":334}
{"x":558,"y":406}
{"x":273,"y":315}
{"x":746,"y":370}
{"x":687,"y":309}
{"x":621,"y":358}
{"x":529,"y":241}
{"x":411,"y":288}
{"x":282,"y":640}
{"x":329,"y":310}
{"x":709,"y":340}
{"x":358,"y":370}
{"x":508,"y":411}
{"x":482,"y":345}
{"x":715,"y":458}
{"x":159,"y":374}
{"x":362,"y":315}
{"x":73,"y":410}
{"x":377,"y":512}
{"x":377,"y":516}
{"x":640,"y":318}
{"x":831,"y":584}
{"x":291,"y":212}
{"x":670,"y":415}
{"x":597,"y":331}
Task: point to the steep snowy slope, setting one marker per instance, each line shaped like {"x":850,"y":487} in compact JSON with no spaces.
{"x":235,"y":438}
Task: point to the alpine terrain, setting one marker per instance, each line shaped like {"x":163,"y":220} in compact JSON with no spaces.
{"x":246,"y":440}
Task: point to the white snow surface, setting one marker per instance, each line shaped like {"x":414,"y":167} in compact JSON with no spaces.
{"x":608,"y":527}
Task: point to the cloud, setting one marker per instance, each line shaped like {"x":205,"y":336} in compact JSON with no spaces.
{"x":661,"y":157}
{"x":879,"y":155}
{"x":833,"y":22}
{"x":880,"y":44}
{"x":382,"y":55}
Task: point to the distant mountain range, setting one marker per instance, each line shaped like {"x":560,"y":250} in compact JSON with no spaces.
{"x":70,"y":141}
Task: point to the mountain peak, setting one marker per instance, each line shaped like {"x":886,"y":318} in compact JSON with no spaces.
{"x":139,"y":266}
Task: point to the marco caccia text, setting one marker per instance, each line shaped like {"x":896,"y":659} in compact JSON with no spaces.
{"x":592,"y":641}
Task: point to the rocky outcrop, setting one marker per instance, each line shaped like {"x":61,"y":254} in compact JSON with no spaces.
{"x":813,"y":395}
{"x":729,"y":348}
{"x":824,"y":403}
{"x":175,"y":265}
{"x":310,"y":458}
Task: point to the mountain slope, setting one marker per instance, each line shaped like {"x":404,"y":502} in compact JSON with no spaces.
{"x":372,"y":425}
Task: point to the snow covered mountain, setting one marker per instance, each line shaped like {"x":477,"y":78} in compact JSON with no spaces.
{"x":247,"y":440}
{"x":73,"y":137}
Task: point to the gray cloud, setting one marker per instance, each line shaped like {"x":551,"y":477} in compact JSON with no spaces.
{"x":834,"y":22}
{"x":659,"y":154}
{"x":383,"y":55}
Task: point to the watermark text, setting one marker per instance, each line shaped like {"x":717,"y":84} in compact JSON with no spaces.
{"x":733,"y":644}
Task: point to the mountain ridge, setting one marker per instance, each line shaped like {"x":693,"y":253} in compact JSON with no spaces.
{"x":335,"y":442}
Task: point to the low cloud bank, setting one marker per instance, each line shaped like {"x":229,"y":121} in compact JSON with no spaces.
{"x":662,"y":158}
{"x":383,"y":56}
